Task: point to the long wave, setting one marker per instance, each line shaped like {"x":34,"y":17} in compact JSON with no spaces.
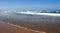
{"x":37,"y":13}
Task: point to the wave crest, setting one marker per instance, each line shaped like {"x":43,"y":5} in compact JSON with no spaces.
{"x":38,"y":13}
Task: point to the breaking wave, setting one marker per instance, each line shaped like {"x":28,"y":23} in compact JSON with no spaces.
{"x":38,"y":13}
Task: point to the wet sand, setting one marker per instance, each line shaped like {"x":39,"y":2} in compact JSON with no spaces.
{"x":7,"y":28}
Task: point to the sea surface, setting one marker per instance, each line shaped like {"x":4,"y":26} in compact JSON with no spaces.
{"x":50,"y":24}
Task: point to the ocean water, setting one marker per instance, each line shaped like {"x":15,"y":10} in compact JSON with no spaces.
{"x":33,"y":20}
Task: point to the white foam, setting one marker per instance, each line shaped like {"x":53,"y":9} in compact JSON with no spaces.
{"x":35,"y":13}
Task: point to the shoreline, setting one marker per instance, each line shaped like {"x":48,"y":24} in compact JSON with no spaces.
{"x":22,"y":27}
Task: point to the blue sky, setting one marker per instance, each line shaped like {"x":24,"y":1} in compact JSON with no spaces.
{"x":29,"y":4}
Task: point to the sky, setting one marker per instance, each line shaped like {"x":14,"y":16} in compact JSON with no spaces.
{"x":29,"y":4}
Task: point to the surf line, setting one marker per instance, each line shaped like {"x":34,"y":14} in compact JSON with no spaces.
{"x":23,"y":27}
{"x":36,"y":13}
